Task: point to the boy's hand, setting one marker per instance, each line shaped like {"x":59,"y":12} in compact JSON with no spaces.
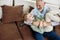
{"x":36,"y":23}
{"x":41,"y":24}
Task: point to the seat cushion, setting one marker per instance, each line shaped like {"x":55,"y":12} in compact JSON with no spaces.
{"x":12,"y":13}
{"x":9,"y":32}
{"x":25,"y":31}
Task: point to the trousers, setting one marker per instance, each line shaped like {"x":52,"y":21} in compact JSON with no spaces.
{"x":49,"y":35}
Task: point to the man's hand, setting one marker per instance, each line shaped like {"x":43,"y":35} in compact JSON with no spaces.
{"x":47,"y":23}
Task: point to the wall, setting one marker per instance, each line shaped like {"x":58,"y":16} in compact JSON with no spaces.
{"x":23,"y":2}
{"x":6,"y":2}
{"x":27,"y":4}
{"x":53,"y":4}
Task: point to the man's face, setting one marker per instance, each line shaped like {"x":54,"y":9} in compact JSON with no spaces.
{"x":40,"y":5}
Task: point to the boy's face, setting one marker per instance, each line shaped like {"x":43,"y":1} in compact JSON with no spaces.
{"x":40,"y":5}
{"x":30,"y":17}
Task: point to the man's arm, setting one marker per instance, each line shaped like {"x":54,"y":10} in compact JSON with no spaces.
{"x":47,"y":23}
{"x":50,"y":16}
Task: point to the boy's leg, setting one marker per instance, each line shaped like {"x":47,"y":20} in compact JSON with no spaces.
{"x":38,"y":36}
{"x":52,"y":35}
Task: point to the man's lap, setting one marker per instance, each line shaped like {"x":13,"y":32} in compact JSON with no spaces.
{"x":50,"y":35}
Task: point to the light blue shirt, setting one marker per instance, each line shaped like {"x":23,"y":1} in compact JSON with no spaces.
{"x":38,"y":13}
{"x":42,"y":14}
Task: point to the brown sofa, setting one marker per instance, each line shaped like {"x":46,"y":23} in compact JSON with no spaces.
{"x":15,"y":29}
{"x":10,"y":24}
{"x":9,"y":32}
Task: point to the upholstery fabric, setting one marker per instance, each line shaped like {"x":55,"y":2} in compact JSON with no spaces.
{"x":12,"y":13}
{"x":9,"y":32}
{"x":30,"y":9}
{"x":25,"y":31}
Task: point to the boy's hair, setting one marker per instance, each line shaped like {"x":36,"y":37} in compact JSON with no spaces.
{"x":25,"y":16}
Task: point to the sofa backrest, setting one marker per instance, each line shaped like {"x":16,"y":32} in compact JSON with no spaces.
{"x":4,"y":2}
{"x":23,"y":2}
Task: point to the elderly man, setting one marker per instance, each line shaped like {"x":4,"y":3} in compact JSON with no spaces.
{"x":40,"y":11}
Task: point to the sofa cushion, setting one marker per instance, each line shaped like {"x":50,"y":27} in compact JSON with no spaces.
{"x":25,"y":31}
{"x":12,"y":13}
{"x":9,"y":32}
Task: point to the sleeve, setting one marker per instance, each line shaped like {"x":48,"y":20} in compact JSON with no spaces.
{"x":28,"y":23}
{"x":53,"y":17}
{"x":55,"y":23}
{"x":50,"y":17}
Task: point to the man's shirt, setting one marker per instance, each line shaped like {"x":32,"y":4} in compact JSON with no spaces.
{"x":40,"y":14}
